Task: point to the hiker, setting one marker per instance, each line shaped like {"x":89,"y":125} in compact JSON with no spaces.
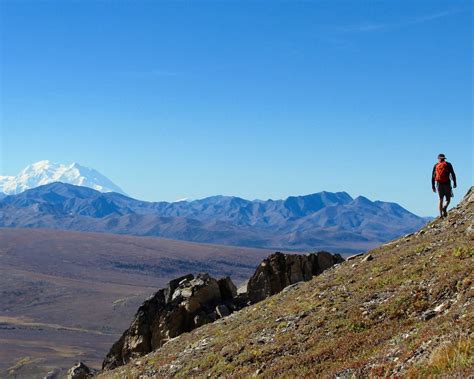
{"x":442,"y":174}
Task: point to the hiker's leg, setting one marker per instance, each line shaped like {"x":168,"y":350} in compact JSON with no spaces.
{"x":446,"y":193}
{"x":445,"y":208}
{"x":448,"y":199}
{"x":440,"y":206}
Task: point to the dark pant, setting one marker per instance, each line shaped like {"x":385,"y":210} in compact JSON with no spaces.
{"x":445,"y":190}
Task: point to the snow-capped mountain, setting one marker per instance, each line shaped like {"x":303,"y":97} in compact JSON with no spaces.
{"x":45,"y":172}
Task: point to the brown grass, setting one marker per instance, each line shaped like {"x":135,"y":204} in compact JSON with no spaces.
{"x":455,"y":356}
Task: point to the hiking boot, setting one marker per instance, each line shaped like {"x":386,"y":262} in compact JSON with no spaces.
{"x":445,"y":212}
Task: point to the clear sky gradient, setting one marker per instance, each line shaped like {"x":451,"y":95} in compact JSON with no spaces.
{"x":260,"y":99}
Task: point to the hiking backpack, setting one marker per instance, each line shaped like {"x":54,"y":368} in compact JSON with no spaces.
{"x":442,"y":172}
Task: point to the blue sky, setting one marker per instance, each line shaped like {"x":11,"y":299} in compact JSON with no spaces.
{"x":260,"y":99}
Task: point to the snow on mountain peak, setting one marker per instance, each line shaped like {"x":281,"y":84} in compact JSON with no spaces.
{"x":41,"y":165}
{"x":45,"y":172}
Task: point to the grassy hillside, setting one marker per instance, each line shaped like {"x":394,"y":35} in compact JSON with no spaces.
{"x":403,"y":309}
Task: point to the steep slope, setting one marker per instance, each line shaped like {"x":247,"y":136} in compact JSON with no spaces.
{"x":322,"y":221}
{"x":189,"y":302}
{"x":404,"y":309}
{"x":45,"y":172}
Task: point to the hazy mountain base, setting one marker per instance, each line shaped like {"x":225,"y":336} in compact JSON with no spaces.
{"x":404,"y":309}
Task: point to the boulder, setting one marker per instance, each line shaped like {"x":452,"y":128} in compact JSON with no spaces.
{"x":173,"y":284}
{"x":203,"y":318}
{"x":354,"y":256}
{"x":197,"y":293}
{"x":222,"y":310}
{"x":227,"y":288}
{"x":281,"y":270}
{"x":80,"y":371}
{"x":185,"y":304}
{"x":324,"y":260}
{"x":368,"y":258}
{"x":242,"y":288}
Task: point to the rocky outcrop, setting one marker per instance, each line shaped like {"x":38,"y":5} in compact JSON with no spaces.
{"x":189,"y":302}
{"x":281,"y":270}
{"x":185,"y":304}
{"x":80,"y":371}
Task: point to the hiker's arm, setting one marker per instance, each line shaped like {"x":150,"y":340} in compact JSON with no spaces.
{"x":453,"y":175}
{"x":433,"y":174}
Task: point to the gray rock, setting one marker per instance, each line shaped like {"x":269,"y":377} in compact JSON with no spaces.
{"x":324,"y":260}
{"x":80,"y":371}
{"x":185,"y":304}
{"x":281,"y":270}
{"x":173,"y":284}
{"x":291,"y":287}
{"x":203,"y":290}
{"x":202,"y":318}
{"x":354,"y":256}
{"x":53,"y":374}
{"x":368,"y":258}
{"x":240,"y":301}
{"x":429,"y":314}
{"x":242,"y":288}
{"x":227,"y":288}
{"x":222,"y":310}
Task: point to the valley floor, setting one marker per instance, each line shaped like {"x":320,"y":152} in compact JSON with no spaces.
{"x":67,"y":296}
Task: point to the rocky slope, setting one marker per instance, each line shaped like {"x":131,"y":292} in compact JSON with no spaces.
{"x":189,"y":302}
{"x":404,"y":309}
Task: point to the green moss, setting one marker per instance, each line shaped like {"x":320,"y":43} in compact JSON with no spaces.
{"x":463,"y":252}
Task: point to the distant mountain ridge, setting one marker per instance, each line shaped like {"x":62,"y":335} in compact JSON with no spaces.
{"x":325,"y":220}
{"x":46,"y":172}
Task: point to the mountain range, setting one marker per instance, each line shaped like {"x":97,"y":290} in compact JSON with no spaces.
{"x":45,"y":172}
{"x":325,"y":220}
